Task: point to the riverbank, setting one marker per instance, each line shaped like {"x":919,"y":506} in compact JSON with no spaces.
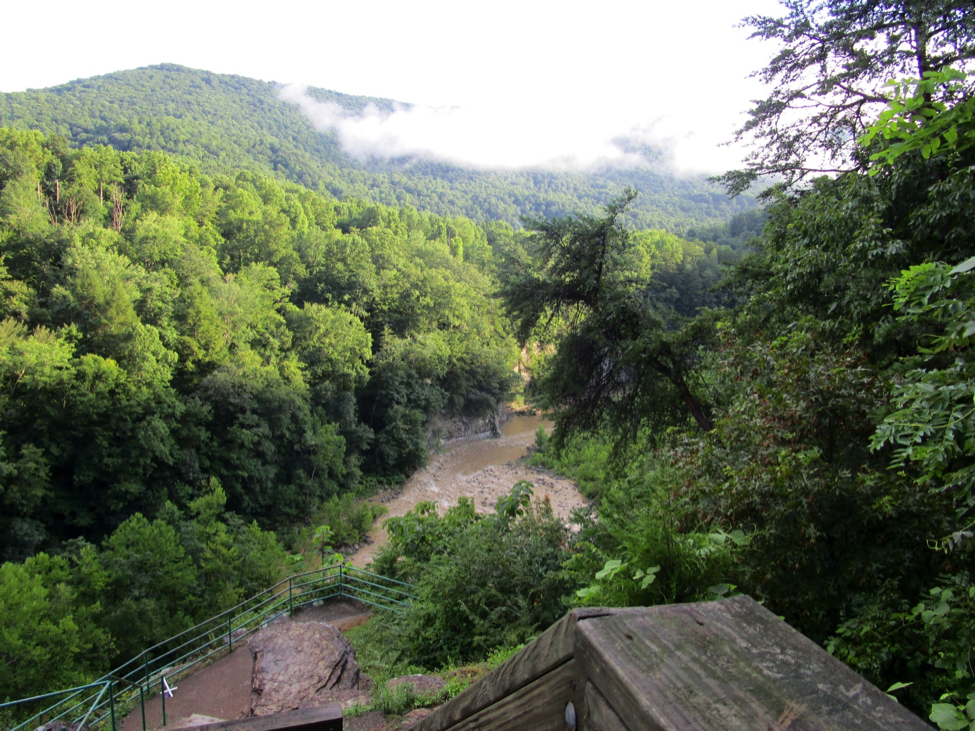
{"x":482,"y":470}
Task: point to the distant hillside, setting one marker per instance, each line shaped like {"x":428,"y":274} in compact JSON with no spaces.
{"x":228,"y":123}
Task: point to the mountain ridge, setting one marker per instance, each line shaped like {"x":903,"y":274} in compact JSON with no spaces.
{"x":226,"y":123}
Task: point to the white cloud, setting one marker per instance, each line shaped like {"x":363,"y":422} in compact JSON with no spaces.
{"x":509,"y":136}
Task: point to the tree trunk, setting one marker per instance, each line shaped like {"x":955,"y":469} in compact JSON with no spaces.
{"x":675,"y":377}
{"x":695,"y":409}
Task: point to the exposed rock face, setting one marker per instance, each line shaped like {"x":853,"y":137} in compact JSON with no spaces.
{"x":457,"y":428}
{"x":298,"y":665}
{"x":413,"y":718}
{"x":56,"y":726}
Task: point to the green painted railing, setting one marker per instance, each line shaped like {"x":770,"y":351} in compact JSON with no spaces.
{"x":101,"y":703}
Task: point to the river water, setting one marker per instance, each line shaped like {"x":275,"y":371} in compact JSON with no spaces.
{"x":481,"y":469}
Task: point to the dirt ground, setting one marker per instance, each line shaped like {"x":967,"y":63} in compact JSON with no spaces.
{"x":482,"y":469}
{"x":222,"y":689}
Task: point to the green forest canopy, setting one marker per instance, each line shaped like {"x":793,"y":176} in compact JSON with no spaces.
{"x":228,"y":123}
{"x":188,"y":361}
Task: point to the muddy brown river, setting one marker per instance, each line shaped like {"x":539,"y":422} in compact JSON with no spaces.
{"x":479,"y":469}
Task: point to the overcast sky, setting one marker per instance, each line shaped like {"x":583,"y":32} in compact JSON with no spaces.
{"x":496,"y":83}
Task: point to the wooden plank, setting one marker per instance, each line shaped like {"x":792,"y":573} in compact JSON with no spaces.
{"x":327,"y":717}
{"x":598,"y":713}
{"x":538,"y":706}
{"x":551,"y":649}
{"x":730,"y":664}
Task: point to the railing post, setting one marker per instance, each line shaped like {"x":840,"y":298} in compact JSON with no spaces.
{"x":291,"y":607}
{"x":111,"y":703}
{"x":230,"y":631}
{"x":341,"y":580}
{"x":162,"y":688}
{"x":142,"y":703}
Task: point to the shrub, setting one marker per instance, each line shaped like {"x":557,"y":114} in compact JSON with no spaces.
{"x":788,"y":462}
{"x":637,"y":554}
{"x":348,"y":519}
{"x":481,"y":581}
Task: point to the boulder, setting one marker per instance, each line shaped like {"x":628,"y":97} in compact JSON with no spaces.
{"x":413,"y":718}
{"x":298,"y":665}
{"x":57,"y":725}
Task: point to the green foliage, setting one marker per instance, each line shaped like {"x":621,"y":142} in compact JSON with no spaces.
{"x":348,"y":519}
{"x":586,"y":460}
{"x":916,"y":118}
{"x":825,"y":76}
{"x":481,"y":581}
{"x":67,"y":619}
{"x":926,"y":637}
{"x":150,"y":584}
{"x":638,"y":552}
{"x":788,"y":463}
{"x":229,"y":123}
{"x":170,"y":329}
{"x":623,"y":359}
{"x":828,"y":251}
{"x":397,"y":701}
{"x":933,"y":426}
{"x":47,"y":640}
{"x":376,"y":659}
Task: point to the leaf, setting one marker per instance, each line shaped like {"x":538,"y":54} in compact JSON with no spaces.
{"x":611,"y":567}
{"x":650,"y":577}
{"x":899,"y":685}
{"x":946,"y":716}
{"x":965,"y":266}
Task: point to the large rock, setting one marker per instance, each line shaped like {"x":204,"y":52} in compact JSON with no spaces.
{"x":298,"y":665}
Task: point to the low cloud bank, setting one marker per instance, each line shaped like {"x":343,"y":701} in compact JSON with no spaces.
{"x":507,"y":137}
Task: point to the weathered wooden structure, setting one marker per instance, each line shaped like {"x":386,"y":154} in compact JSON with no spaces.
{"x":327,"y":717}
{"x":729,"y":664}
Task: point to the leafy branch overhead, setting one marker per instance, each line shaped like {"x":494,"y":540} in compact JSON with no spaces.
{"x":827,"y":78}
{"x":919,"y":118}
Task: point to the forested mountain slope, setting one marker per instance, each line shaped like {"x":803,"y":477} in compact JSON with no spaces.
{"x":187,"y":361}
{"x":159,"y":328}
{"x":230,"y":123}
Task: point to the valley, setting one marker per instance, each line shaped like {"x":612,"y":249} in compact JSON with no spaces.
{"x":483,"y":470}
{"x":230,"y":340}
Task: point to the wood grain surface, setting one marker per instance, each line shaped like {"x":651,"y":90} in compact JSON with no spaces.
{"x":730,"y":664}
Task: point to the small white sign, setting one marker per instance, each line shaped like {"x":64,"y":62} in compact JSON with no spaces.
{"x":168,"y":690}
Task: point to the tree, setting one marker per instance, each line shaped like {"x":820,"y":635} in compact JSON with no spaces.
{"x":827,"y":78}
{"x":622,"y":357}
{"x":46,"y":640}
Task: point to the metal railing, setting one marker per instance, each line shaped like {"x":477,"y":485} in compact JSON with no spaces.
{"x":128,"y":686}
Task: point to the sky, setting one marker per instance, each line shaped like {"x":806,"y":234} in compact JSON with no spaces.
{"x":499,"y":84}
